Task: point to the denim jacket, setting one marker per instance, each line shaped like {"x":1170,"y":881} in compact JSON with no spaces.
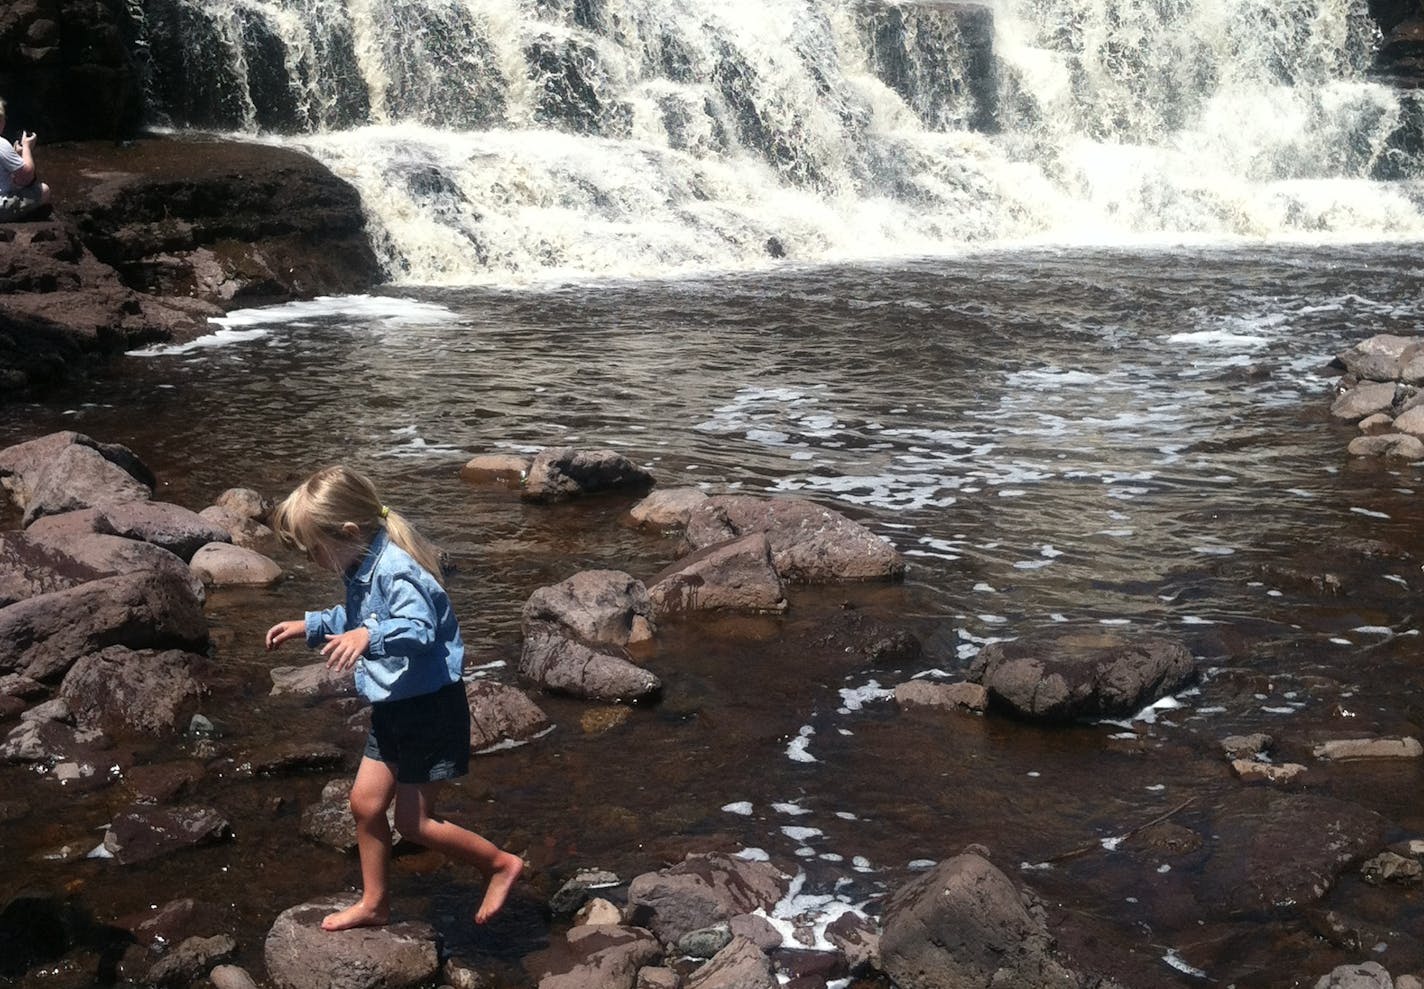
{"x":415,"y":641}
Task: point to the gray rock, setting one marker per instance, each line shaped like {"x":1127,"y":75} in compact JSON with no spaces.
{"x":809,"y":544}
{"x":1363,"y":400}
{"x":190,"y":960}
{"x":706,"y":942}
{"x":667,"y":509}
{"x":292,"y":757}
{"x":311,"y":680}
{"x":142,"y":834}
{"x":227,"y":565}
{"x":46,"y":743}
{"x":600,"y":607}
{"x":1377,"y":359}
{"x":44,"y":635}
{"x":1410,"y":422}
{"x":329,"y":823}
{"x":14,"y":685}
{"x":22,"y":465}
{"x":1362,"y":975}
{"x":606,"y":957}
{"x":300,"y":955}
{"x":121,"y":691}
{"x":733,"y":576}
{"x":109,"y":555}
{"x":1065,"y":675}
{"x":30,"y":567}
{"x":565,"y":665}
{"x":500,"y":713}
{"x":241,"y":531}
{"x":52,"y":710}
{"x":963,"y":924}
{"x":81,"y":477}
{"x":740,"y":965}
{"x":172,"y":527}
{"x":563,"y":472}
{"x":496,"y":468}
{"x":701,"y":891}
{"x":942,"y":696}
{"x":1378,"y":424}
{"x":1391,"y":446}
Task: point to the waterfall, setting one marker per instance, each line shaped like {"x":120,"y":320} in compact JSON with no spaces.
{"x":503,"y":141}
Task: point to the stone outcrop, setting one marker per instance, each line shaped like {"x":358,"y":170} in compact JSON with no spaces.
{"x":141,"y":834}
{"x":576,"y":635}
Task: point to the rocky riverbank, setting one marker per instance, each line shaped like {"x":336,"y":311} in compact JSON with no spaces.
{"x":150,"y":238}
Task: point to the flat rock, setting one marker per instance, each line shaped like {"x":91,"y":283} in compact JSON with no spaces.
{"x":29,"y":567}
{"x":111,"y":555}
{"x":667,"y":509}
{"x":1266,"y":772}
{"x":226,"y":565}
{"x":562,"y":472}
{"x":1246,"y":746}
{"x":701,"y":891}
{"x":300,"y":955}
{"x":293,"y":757}
{"x":142,"y":834}
{"x":501,"y":714}
{"x":809,"y":544}
{"x":735,"y":576}
{"x":1391,"y":446}
{"x":172,"y":527}
{"x":1369,"y":748}
{"x":1379,"y":358}
{"x":121,"y":691}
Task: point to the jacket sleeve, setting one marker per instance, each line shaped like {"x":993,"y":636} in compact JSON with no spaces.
{"x":410,"y":627}
{"x":320,"y":624}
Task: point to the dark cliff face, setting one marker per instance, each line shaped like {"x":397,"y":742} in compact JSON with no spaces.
{"x":1400,"y":59}
{"x":67,"y":69}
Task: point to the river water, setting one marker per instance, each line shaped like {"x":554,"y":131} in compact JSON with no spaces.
{"x":1130,"y":439}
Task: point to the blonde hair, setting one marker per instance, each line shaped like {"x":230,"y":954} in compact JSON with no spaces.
{"x":314,"y":513}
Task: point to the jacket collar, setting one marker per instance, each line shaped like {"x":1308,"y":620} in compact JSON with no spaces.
{"x":362,"y":573}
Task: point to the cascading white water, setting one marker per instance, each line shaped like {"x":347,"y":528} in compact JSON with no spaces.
{"x":513,"y":140}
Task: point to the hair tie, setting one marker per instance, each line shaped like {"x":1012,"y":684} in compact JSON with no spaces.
{"x":385,"y":512}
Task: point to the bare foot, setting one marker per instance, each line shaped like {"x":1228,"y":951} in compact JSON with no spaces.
{"x":506,"y":871}
{"x":356,"y":915}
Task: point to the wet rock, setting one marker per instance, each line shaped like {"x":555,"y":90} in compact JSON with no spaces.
{"x":121,"y":691}
{"x":1369,"y":748}
{"x":740,"y":965}
{"x":495,"y":468}
{"x":701,"y":891}
{"x":190,"y":960}
{"x":114,"y":556}
{"x":81,"y":477}
{"x":965,"y":924}
{"x":1378,"y":424}
{"x":1364,"y":975}
{"x":500,"y":714}
{"x":597,"y":911}
{"x":733,"y":576}
{"x":1278,"y":851}
{"x":1391,"y":446}
{"x":23,"y":465}
{"x":756,"y":929}
{"x":606,"y":957}
{"x":35,"y":926}
{"x":1062,"y":676}
{"x":571,"y":895}
{"x":1391,"y":867}
{"x":44,"y":635}
{"x":809,"y":544}
{"x":942,"y":696}
{"x":313,"y":680}
{"x":667,"y":509}
{"x":554,"y":661}
{"x":600,"y":607}
{"x":1363,"y":400}
{"x":804,"y":967}
{"x":1264,"y":772}
{"x":459,"y":976}
{"x":231,"y":977}
{"x":1379,"y":358}
{"x":29,"y":568}
{"x":244,"y":532}
{"x":227,"y":565}
{"x":563,"y":472}
{"x":172,"y":527}
{"x":597,"y":720}
{"x":864,"y":639}
{"x":293,"y":757}
{"x":164,"y":782}
{"x":300,"y":955}
{"x":142,"y":833}
{"x":858,"y":940}
{"x":1246,"y":746}
{"x":13,"y":810}
{"x":245,"y":503}
{"x":46,"y":743}
{"x":53,"y":710}
{"x":704,"y":943}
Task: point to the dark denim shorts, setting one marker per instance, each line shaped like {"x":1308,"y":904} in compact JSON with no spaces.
{"x":426,"y":738}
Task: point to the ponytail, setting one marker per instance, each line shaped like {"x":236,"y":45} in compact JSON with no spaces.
{"x":422,"y":550}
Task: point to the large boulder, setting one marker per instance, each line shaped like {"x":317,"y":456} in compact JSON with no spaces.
{"x":733,"y":576}
{"x":121,"y":691}
{"x":1280,"y":852}
{"x":43,"y":636}
{"x":605,"y":956}
{"x":564,"y":472}
{"x":300,"y":955}
{"x":1380,"y":358}
{"x":29,"y":568}
{"x":963,"y":925}
{"x":1365,"y":399}
{"x":22,"y":464}
{"x":172,"y":527}
{"x":226,"y":565}
{"x":740,"y":965}
{"x":81,"y":477}
{"x":602,"y":607}
{"x":109,"y":556}
{"x":809,"y":544}
{"x":1060,"y":676}
{"x":501,"y":715}
{"x":700,"y":891}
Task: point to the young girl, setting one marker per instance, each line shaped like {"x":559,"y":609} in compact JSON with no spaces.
{"x":398,"y":631}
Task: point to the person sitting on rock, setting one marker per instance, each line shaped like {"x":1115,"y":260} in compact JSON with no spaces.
{"x":21,"y":195}
{"x":399,"y":633}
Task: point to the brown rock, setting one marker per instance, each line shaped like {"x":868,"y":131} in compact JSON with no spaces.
{"x":171,"y":527}
{"x":605,"y":957}
{"x":733,"y":576}
{"x":501,"y":714}
{"x":121,"y":691}
{"x":1392,"y":446}
{"x":667,"y":509}
{"x":740,"y":965}
{"x":500,"y":468}
{"x":942,"y":696}
{"x":1252,"y":771}
{"x":226,"y":565}
{"x":700,"y":891}
{"x":142,"y":834}
{"x":563,"y":472}
{"x":300,"y":955}
{"x":1369,"y":748}
{"x":562,"y":664}
{"x":80,"y":477}
{"x":1363,"y":400}
{"x":599,"y":607}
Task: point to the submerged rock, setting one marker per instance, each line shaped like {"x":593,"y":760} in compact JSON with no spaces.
{"x":142,"y":834}
{"x":1369,"y":748}
{"x":942,"y":696}
{"x":313,"y":680}
{"x":300,"y":955}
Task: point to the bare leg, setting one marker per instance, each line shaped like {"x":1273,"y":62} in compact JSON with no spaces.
{"x":416,"y":820}
{"x":371,"y":794}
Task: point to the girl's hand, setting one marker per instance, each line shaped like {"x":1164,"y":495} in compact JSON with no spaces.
{"x":344,"y":650}
{"x":283,"y":631}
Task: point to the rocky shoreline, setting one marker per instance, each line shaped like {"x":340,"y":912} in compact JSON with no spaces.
{"x":105,"y":653}
{"x":151,"y":238}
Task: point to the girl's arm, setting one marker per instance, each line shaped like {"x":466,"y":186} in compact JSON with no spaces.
{"x":320,"y":624}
